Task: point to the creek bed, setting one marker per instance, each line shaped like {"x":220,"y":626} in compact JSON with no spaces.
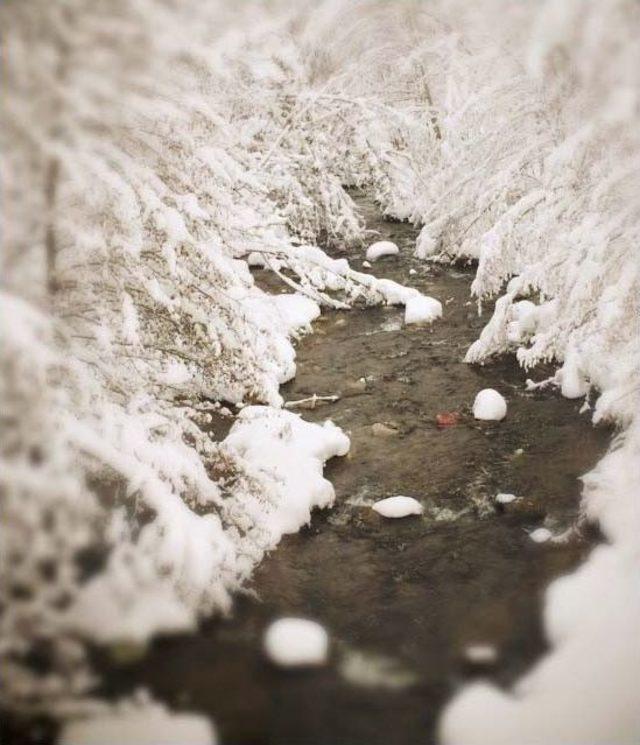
{"x":401,"y":599}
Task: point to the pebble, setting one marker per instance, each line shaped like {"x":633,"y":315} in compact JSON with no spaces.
{"x":383,"y":430}
{"x":355,"y":387}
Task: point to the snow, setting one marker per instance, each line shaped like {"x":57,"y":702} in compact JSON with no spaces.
{"x":398,"y":507}
{"x":503,"y":498}
{"x":292,"y":453}
{"x":573,"y":383}
{"x":296,"y":310}
{"x":110,"y":613}
{"x":540,"y":535}
{"x":381,"y":248}
{"x":144,"y":725}
{"x":481,"y":654}
{"x":422,"y":309}
{"x":489,"y":405}
{"x":296,"y":642}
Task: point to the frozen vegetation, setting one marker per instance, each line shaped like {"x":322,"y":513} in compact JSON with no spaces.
{"x":152,"y":152}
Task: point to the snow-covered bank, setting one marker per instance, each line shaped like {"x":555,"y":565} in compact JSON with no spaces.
{"x":196,"y":139}
{"x":144,"y":178}
{"x":585,"y":692}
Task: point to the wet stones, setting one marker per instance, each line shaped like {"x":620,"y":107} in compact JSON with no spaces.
{"x":355,"y":387}
{"x":384,"y":430}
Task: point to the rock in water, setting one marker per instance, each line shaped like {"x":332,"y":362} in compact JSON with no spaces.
{"x":540,"y":535}
{"x":379,"y":429}
{"x":381,"y":248}
{"x":296,"y":642}
{"x":447,"y":418}
{"x":489,"y":405}
{"x":398,"y":507}
{"x":505,"y":498}
{"x":481,"y":655}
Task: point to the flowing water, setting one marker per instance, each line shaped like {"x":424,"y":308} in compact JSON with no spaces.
{"x":402,"y":599}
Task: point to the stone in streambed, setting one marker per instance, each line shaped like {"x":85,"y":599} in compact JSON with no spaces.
{"x":398,"y":507}
{"x":380,"y":429}
{"x":296,"y":642}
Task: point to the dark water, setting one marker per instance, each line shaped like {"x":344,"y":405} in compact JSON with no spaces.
{"x":401,"y":599}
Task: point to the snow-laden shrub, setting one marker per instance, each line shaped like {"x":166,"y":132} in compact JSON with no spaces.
{"x":146,"y":156}
{"x":512,"y":140}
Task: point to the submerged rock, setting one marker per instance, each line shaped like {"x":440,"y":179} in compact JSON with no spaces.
{"x":355,"y":387}
{"x":380,"y":429}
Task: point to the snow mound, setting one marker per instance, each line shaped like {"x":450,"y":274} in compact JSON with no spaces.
{"x":540,"y":535}
{"x":489,"y":405}
{"x":296,"y":642}
{"x":398,"y":507}
{"x":381,"y":248}
{"x":505,"y":498}
{"x":291,"y":453}
{"x":296,"y":310}
{"x":109,"y":612}
{"x":151,"y":724}
{"x":422,"y":309}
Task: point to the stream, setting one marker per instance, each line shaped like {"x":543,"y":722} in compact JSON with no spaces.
{"x":401,"y":599}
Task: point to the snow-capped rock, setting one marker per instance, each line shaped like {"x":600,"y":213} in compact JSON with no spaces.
{"x":366,"y":265}
{"x":489,"y":405}
{"x":505,"y":498}
{"x":381,"y":248}
{"x":481,"y":654}
{"x":296,"y":642}
{"x":422,"y":309}
{"x":398,"y":507}
{"x":540,"y":535}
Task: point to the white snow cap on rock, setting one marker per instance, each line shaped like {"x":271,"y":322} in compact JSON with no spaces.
{"x":151,"y":724}
{"x":540,"y":535}
{"x":481,"y":654}
{"x":489,"y":405}
{"x":398,"y":507}
{"x":422,"y":309}
{"x":296,"y":642}
{"x":381,"y":248}
{"x":503,"y":498}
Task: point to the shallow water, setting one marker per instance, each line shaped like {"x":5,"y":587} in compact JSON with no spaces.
{"x":401,"y":599}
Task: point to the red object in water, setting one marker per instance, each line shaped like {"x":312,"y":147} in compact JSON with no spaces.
{"x":447,"y":418}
